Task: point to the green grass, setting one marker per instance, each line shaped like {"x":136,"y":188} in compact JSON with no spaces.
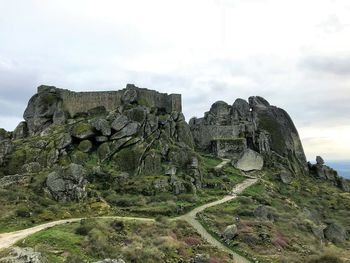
{"x":288,"y":237}
{"x":92,"y":240}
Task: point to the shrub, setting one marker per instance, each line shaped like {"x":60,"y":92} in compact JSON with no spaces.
{"x":83,"y":230}
{"x":23,"y":212}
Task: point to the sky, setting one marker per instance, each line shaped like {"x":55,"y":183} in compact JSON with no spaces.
{"x":294,"y":53}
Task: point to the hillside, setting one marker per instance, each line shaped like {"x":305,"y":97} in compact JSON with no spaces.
{"x":130,"y":153}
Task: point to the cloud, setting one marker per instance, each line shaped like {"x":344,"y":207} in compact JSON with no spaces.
{"x":338,"y":65}
{"x":206,"y":50}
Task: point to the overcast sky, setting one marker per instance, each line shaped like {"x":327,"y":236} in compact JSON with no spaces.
{"x":295,"y":53}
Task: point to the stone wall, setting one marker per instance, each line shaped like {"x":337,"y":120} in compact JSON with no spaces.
{"x":82,"y":102}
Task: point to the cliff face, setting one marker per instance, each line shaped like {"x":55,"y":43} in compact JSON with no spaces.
{"x":229,"y":130}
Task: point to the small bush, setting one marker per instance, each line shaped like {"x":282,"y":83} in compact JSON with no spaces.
{"x":22,"y":212}
{"x":83,"y":230}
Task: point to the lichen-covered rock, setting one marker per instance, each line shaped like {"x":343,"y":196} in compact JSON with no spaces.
{"x":284,"y":136}
{"x":319,"y":160}
{"x":249,"y":161}
{"x":79,"y":157}
{"x":130,"y":94}
{"x":335,"y":233}
{"x":85,"y":146}
{"x":103,"y":126}
{"x":230,"y":232}
{"x":103,"y":151}
{"x":33,"y":167}
{"x":137,"y":114}
{"x":130,"y":129}
{"x":83,"y":131}
{"x":6,"y":147}
{"x":24,"y":255}
{"x":4,"y":135}
{"x":344,"y":184}
{"x":67,"y":184}
{"x":64,"y":141}
{"x":286,"y":176}
{"x":120,"y":122}
{"x":44,"y":108}
{"x":21,"y":131}
{"x":177,"y":185}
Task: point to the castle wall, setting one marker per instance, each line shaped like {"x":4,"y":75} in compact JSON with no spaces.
{"x":82,"y":102}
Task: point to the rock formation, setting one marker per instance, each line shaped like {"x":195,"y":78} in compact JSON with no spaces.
{"x":70,"y":137}
{"x":324,"y":172}
{"x":136,"y":131}
{"x":228,"y":131}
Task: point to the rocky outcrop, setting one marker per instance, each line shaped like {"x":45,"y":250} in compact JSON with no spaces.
{"x":24,"y":255}
{"x":324,"y":172}
{"x":44,"y":109}
{"x":335,"y":233}
{"x":228,"y":131}
{"x":21,"y":131}
{"x":134,"y":131}
{"x":230,"y":232}
{"x":67,"y":184}
{"x":249,"y":161}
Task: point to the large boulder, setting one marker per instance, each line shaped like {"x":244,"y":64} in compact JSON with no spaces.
{"x":249,"y":161}
{"x":21,"y":131}
{"x":67,"y":184}
{"x":103,"y":126}
{"x":230,"y":232}
{"x":120,"y":122}
{"x":241,"y":110}
{"x":319,"y":160}
{"x":130,"y":129}
{"x":284,"y":136}
{"x":44,"y":108}
{"x":335,"y":233}
{"x":83,"y":130}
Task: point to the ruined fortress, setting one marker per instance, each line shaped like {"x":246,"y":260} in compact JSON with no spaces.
{"x":81,"y":102}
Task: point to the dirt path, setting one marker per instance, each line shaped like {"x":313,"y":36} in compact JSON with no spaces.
{"x":191,"y":219}
{"x":8,"y":239}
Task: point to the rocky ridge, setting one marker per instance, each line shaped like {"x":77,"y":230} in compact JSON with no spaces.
{"x":135,"y":132}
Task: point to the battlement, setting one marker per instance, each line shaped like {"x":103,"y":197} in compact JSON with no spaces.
{"x":82,"y":102}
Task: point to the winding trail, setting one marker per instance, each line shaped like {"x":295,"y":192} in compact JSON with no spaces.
{"x":9,"y":239}
{"x":192,"y":220}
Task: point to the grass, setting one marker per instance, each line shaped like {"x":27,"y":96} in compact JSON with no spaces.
{"x":287,"y":237}
{"x":92,"y":240}
{"x":111,"y":193}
